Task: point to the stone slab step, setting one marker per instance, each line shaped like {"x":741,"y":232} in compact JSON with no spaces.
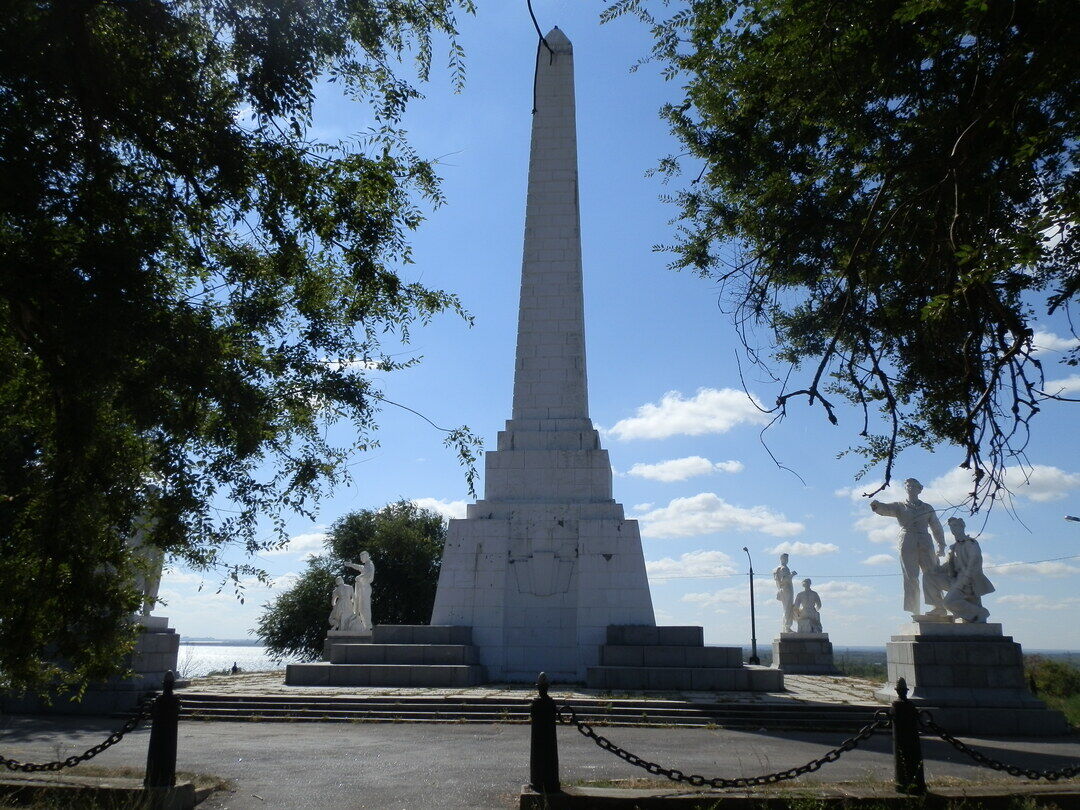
{"x":635,"y":634}
{"x":719,"y":679}
{"x":490,"y":710}
{"x":403,"y":654}
{"x":421,"y":634}
{"x":436,"y":675}
{"x":668,"y":655}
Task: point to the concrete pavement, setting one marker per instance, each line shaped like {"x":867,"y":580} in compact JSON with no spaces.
{"x":400,"y":765}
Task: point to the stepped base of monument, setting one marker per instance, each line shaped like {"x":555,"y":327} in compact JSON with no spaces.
{"x":155,"y":653}
{"x":803,"y":654}
{"x":675,"y":658}
{"x":970,"y":677}
{"x":395,"y":655}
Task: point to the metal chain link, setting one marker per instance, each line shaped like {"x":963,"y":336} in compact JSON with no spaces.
{"x":926,"y":719}
{"x":882,"y":719}
{"x":146,"y":706}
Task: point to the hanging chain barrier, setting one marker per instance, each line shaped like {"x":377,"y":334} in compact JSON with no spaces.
{"x":926,"y":720}
{"x":882,"y":720}
{"x":143,"y":712}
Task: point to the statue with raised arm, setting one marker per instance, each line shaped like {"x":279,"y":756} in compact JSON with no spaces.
{"x":342,"y":616}
{"x":918,"y":522}
{"x":967,"y":583}
{"x":807,"y":609}
{"x":785,"y":592}
{"x":365,"y":576}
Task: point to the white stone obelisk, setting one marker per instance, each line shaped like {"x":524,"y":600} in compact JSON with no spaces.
{"x":546,"y":561}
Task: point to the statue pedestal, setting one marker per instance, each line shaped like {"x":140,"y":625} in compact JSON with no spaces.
{"x":803,"y":654}
{"x":970,"y":676}
{"x":343,"y":637}
{"x":155,"y":653}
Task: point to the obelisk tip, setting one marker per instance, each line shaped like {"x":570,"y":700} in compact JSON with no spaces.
{"x":557,"y":40}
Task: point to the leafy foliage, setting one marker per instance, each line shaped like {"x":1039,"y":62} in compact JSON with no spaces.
{"x":191,"y":288}
{"x":890,"y":187}
{"x":405,"y":543}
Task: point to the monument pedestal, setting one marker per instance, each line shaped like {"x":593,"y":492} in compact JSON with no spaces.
{"x":155,"y":654}
{"x":648,"y":657}
{"x":395,"y":655}
{"x":970,"y":676}
{"x":342,"y":637}
{"x":803,"y":654}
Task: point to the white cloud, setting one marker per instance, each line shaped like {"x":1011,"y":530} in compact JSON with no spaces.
{"x":803,"y":549}
{"x":357,"y":364}
{"x":1037,"y":482}
{"x":710,"y":410}
{"x":701,"y":563}
{"x":1054,"y":569}
{"x":1064,"y":387}
{"x":725,"y":596}
{"x":707,"y":513}
{"x":1043,"y":341}
{"x":1038,"y":601}
{"x":448,"y":509}
{"x":880,"y":559}
{"x":878,"y":529}
{"x":679,"y":469}
{"x":306,"y":544}
{"x":858,"y":493}
{"x":844,"y":593}
{"x":641,"y":507}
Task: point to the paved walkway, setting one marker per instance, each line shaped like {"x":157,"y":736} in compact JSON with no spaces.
{"x":800,"y":688}
{"x":339,"y":766}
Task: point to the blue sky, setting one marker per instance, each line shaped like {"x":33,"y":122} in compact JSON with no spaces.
{"x":663,"y":378}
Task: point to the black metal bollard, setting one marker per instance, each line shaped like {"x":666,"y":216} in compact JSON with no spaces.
{"x":161,"y":753}
{"x":544,"y":750}
{"x":907,"y":750}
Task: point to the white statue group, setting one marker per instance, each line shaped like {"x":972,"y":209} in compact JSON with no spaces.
{"x":350,"y":605}
{"x":954,"y":586}
{"x":804,"y":608}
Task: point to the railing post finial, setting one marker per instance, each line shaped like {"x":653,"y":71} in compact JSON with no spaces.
{"x":544,"y":747}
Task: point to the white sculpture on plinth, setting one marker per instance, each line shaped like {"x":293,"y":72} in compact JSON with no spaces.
{"x":806,"y":609}
{"x":967,"y":583}
{"x":365,"y":576}
{"x":918,"y":521}
{"x":149,"y":562}
{"x":785,"y":592}
{"x":342,"y":612}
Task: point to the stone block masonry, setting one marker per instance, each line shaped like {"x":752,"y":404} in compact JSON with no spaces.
{"x":970,"y":676}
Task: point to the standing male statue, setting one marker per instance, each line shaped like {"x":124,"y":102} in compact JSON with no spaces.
{"x":967,"y":583}
{"x":785,"y":592}
{"x":917,"y":521}
{"x":807,"y":609}
{"x":365,"y":576}
{"x":342,"y":616}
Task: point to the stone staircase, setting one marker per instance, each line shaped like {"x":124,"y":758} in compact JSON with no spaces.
{"x":397,"y":655}
{"x":675,"y":659}
{"x":464,"y":709}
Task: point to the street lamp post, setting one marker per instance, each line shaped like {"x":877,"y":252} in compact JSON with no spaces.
{"x":753,"y":621}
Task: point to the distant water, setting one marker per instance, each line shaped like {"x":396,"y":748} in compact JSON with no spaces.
{"x":195,"y":660}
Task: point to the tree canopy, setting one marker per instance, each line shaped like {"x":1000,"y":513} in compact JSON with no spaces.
{"x":405,"y":543}
{"x":890,"y":189}
{"x":191,"y":287}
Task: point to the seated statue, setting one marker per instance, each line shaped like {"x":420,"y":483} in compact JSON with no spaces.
{"x":342,"y":613}
{"x":806,"y":609}
{"x":967,"y":583}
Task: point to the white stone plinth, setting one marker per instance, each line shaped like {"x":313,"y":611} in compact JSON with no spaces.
{"x":343,"y":637}
{"x":970,"y":675}
{"x":803,"y":654}
{"x":154,"y":624}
